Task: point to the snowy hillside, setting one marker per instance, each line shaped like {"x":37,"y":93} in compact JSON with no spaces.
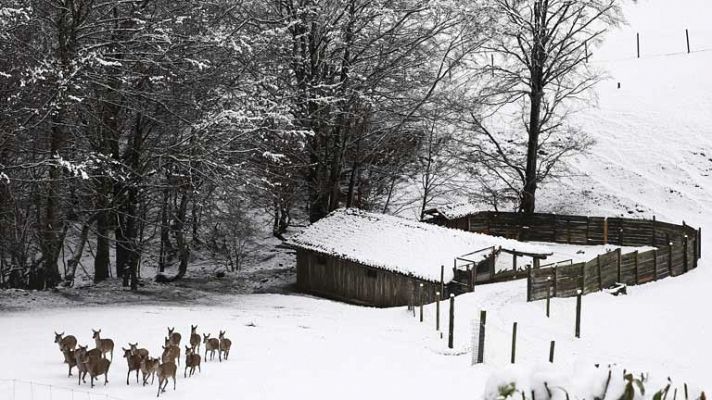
{"x":653,"y":156}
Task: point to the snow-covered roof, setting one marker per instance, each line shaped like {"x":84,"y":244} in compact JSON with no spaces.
{"x":454,"y":211}
{"x":397,"y":244}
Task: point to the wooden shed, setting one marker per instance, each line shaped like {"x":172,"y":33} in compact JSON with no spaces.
{"x":379,"y":260}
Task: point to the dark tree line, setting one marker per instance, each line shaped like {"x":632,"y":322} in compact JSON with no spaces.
{"x":141,"y":127}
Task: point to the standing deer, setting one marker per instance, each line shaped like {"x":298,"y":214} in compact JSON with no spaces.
{"x":225,"y":345}
{"x":192,"y":360}
{"x":211,"y":344}
{"x":149,"y":366}
{"x":96,"y":367}
{"x":174,"y":336}
{"x":165,"y":371}
{"x":143,"y":353}
{"x":194,"y":338}
{"x":67,"y":342}
{"x":105,"y":345}
{"x":134,"y":363}
{"x":70,"y":358}
{"x":80,"y":354}
{"x":170,"y":352}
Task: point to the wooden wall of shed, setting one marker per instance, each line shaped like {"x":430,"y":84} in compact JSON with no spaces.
{"x":351,"y":282}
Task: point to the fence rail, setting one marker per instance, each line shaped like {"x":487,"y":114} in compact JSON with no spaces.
{"x":677,"y":249}
{"x":16,"y":389}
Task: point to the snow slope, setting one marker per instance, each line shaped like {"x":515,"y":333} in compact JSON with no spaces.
{"x":653,"y":156}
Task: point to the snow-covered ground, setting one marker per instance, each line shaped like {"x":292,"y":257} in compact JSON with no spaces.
{"x":653,"y":156}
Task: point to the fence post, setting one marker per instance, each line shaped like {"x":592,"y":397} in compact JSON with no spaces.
{"x":481,"y":342}
{"x":637,"y":44}
{"x":687,"y":39}
{"x":442,"y":281}
{"x":551,"y":351}
{"x":529,"y":284}
{"x":620,"y":236}
{"x":605,"y":230}
{"x":578,"y":314}
{"x":437,"y":311}
{"x":637,"y":278}
{"x":684,"y":253}
{"x":548,"y":296}
{"x":556,"y":282}
{"x":653,"y":239}
{"x":450,"y":335}
{"x":619,"y":264}
{"x":670,"y":258}
{"x":420,"y":301}
{"x":598,"y":268}
{"x":514,"y":342}
{"x":655,"y":264}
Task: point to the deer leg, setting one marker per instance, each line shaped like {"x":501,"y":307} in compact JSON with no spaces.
{"x":159,"y":388}
{"x":106,"y":377}
{"x":174,"y":382}
{"x":127,"y":377}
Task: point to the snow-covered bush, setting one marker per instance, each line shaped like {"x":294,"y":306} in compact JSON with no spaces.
{"x":549,"y":382}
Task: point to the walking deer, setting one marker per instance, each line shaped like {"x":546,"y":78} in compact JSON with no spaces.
{"x":165,"y":371}
{"x":105,"y":345}
{"x":171,"y":352}
{"x":149,"y":366}
{"x":143,"y":353}
{"x":194,"y":338}
{"x":96,"y":367}
{"x":65,"y":342}
{"x":134,"y":363}
{"x":225,"y":345}
{"x":70,"y":359}
{"x":174,"y":337}
{"x":80,"y":354}
{"x":211,"y":344}
{"x":192,"y":360}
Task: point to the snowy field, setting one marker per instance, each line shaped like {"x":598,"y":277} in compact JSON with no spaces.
{"x":653,"y":156}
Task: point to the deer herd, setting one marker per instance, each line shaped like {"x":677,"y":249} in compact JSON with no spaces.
{"x":96,"y":363}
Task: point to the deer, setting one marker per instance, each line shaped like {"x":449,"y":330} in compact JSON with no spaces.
{"x":105,"y":345}
{"x":165,"y":371}
{"x":192,"y":360}
{"x":134,"y":363}
{"x":81,"y":353}
{"x":174,"y":336}
{"x":68,"y":342}
{"x":70,"y":358}
{"x":211,"y":344}
{"x":194,"y":338}
{"x":96,"y":367}
{"x":225,"y":345}
{"x":135,"y":350}
{"x":170,"y":352}
{"x":149,"y":366}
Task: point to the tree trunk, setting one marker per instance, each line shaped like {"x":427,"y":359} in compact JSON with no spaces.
{"x":101,"y":258}
{"x":536,"y":95}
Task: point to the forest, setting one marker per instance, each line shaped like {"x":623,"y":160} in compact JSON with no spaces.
{"x":150,"y":126}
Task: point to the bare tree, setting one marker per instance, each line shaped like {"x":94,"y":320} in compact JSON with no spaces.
{"x":540,"y":53}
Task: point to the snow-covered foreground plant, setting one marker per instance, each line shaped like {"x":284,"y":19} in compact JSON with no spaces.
{"x":547,"y":382}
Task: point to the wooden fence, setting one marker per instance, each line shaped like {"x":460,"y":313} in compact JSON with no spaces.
{"x":677,"y":249}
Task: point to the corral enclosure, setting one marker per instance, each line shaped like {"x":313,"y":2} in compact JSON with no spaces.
{"x":676,"y":248}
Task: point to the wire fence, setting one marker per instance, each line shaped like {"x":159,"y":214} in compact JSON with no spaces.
{"x":18,"y":389}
